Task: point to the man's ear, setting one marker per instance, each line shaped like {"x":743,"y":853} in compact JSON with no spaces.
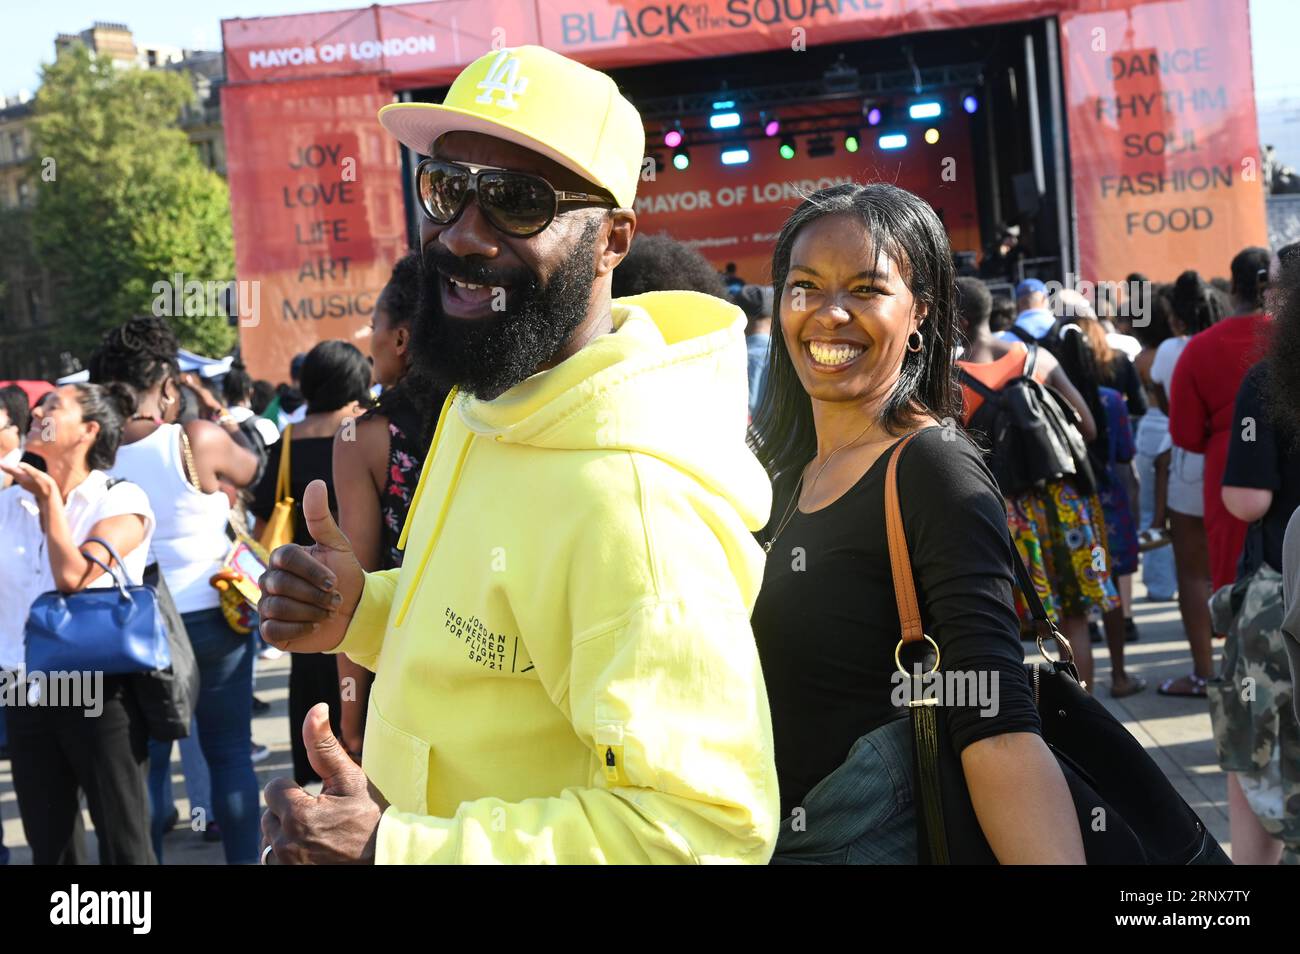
{"x":618,"y":239}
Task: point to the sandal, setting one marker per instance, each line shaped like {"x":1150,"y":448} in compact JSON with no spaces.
{"x":1193,"y":686}
{"x":1132,"y":686}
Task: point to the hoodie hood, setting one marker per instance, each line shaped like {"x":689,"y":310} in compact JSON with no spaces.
{"x":670,"y":382}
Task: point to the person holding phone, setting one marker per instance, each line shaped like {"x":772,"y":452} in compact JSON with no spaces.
{"x":57,"y":751}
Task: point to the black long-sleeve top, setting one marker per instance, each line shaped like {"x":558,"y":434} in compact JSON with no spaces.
{"x":826,"y":622}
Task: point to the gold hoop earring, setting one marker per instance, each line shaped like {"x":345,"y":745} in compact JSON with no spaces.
{"x":920,"y":341}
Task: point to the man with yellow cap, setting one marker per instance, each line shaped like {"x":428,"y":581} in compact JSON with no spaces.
{"x":565,"y":670}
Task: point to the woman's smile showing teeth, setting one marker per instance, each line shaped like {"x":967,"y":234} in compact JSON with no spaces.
{"x":834,"y":354}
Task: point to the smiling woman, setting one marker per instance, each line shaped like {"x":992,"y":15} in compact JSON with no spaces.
{"x":861,"y":359}
{"x":867,"y":226}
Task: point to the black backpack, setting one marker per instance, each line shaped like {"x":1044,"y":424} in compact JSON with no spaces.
{"x":1030,"y":433}
{"x":1051,"y":340}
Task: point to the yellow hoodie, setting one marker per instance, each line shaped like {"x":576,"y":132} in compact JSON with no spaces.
{"x":566,"y":671}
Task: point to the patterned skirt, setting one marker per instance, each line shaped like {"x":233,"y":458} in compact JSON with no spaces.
{"x":1061,"y":535}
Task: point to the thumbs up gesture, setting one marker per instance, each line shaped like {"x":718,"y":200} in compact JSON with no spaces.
{"x":310,"y":593}
{"x":338,"y":826}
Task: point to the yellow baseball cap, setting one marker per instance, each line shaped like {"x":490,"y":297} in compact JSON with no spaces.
{"x":538,"y":99}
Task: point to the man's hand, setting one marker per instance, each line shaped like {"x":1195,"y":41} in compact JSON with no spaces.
{"x":337,"y":827}
{"x":200,"y":388}
{"x":310,"y":593}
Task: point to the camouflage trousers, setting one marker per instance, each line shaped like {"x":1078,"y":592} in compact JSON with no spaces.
{"x":1255,"y":728}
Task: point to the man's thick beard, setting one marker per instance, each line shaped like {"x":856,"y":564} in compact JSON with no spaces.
{"x":488,"y":356}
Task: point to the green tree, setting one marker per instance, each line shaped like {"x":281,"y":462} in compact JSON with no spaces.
{"x":123,"y":201}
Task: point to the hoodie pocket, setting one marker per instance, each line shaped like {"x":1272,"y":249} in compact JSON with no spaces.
{"x":397,"y":762}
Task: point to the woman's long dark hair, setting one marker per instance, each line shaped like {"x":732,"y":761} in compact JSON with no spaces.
{"x":414,"y":402}
{"x":908,"y":231}
{"x":1196,"y":304}
{"x":1081,"y":364}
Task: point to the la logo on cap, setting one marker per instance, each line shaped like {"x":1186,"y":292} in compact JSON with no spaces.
{"x":503,"y":77}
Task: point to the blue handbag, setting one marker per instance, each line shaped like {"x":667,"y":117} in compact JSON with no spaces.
{"x":114,"y":630}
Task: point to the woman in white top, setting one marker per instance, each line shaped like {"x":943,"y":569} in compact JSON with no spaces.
{"x":1151,"y":439}
{"x":1196,"y":306}
{"x":182,"y":469}
{"x":98,"y":746}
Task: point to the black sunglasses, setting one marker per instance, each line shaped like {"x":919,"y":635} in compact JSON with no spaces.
{"x":519,"y":204}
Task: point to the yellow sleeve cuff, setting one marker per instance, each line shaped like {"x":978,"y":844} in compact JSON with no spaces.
{"x":365,"y":636}
{"x":408,"y":839}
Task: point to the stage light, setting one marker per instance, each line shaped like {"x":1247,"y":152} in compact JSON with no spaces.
{"x":724,"y":104}
{"x":788,"y":148}
{"x":735,"y":156}
{"x":724,"y":120}
{"x":932,"y":135}
{"x":681,"y":159}
{"x":771,"y":127}
{"x":819,"y":146}
{"x":927,"y":110}
{"x":873,"y":116}
{"x":892,"y":141}
{"x":970,"y":103}
{"x":674,"y":136}
{"x":851,"y":143}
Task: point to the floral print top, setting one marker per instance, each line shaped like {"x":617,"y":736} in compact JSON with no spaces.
{"x":405,"y":461}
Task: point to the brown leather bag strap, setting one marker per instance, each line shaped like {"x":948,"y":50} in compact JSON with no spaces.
{"x":909,"y":612}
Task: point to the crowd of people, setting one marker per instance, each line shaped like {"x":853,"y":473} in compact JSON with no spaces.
{"x":605,"y":576}
{"x":192,"y":464}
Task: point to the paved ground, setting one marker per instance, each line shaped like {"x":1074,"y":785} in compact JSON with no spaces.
{"x":1176,"y":731}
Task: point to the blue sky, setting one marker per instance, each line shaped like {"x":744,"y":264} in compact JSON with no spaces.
{"x":30,"y":26}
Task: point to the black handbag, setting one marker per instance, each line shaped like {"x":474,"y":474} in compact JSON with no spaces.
{"x":168,"y":696}
{"x":1128,"y":812}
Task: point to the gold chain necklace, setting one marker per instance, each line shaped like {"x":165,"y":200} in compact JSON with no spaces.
{"x":794,"y":500}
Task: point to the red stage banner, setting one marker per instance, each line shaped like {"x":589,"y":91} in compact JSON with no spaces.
{"x":1164,"y":143}
{"x":1161,"y":128}
{"x":733,"y":213}
{"x":613,"y":33}
{"x":317,"y":209}
{"x":428,"y":43}
{"x":422,"y":43}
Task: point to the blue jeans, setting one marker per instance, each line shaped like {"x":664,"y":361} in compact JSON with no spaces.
{"x":863,"y":813}
{"x":1157,"y":565}
{"x":225,"y":719}
{"x":198,"y":783}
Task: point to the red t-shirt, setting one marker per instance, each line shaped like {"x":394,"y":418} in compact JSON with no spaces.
{"x":1201,"y":400}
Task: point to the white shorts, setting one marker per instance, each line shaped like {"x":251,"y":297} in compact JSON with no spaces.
{"x":1186,"y":476}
